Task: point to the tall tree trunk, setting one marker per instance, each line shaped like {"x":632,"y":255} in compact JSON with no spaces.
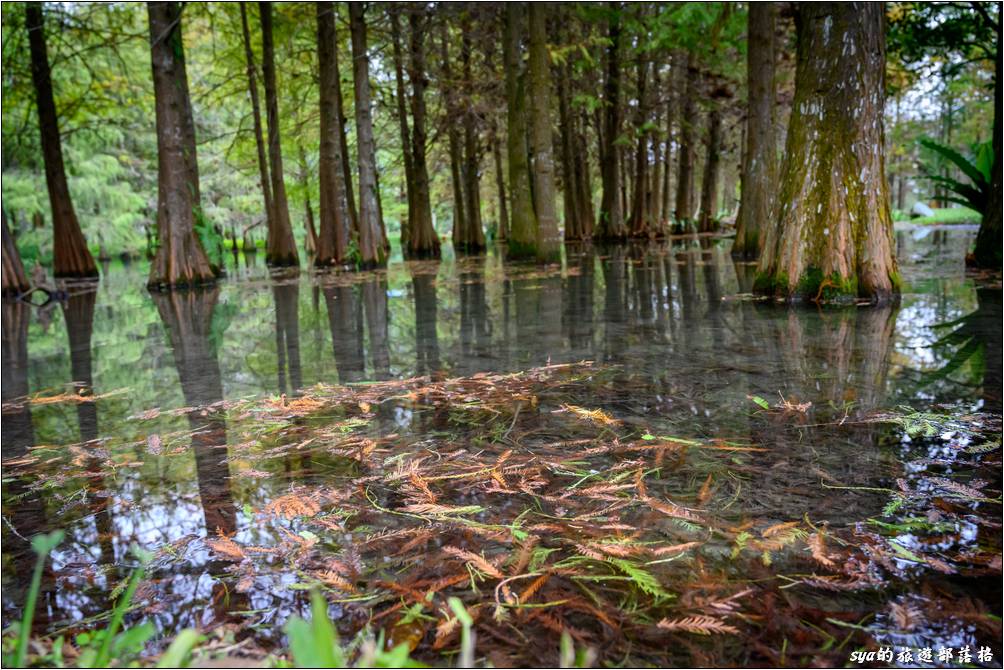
{"x":639,"y":202}
{"x":573,"y":225}
{"x":655,"y":190}
{"x":71,"y":257}
{"x":15,"y":281}
{"x":502,"y":232}
{"x":832,"y":237}
{"x":685,"y":172}
{"x":988,"y":240}
{"x":280,"y":247}
{"x":611,"y":224}
{"x":474,"y":234}
{"x":712,"y":161}
{"x":759,"y":178}
{"x":548,"y":237}
{"x":343,"y":140}
{"x":370,"y":240}
{"x":180,"y":259}
{"x":667,"y":211}
{"x":402,"y":121}
{"x":449,"y":91}
{"x":310,"y":232}
{"x":424,"y":241}
{"x":333,"y":238}
{"x":523,"y":231}
{"x":259,"y":136}
{"x":583,"y":179}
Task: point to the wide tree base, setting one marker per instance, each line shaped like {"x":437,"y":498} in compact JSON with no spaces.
{"x":815,"y":286}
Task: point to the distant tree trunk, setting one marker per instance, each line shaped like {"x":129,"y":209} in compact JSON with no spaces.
{"x":180,"y":259}
{"x":569,"y":195}
{"x":655,"y":190}
{"x":474,"y":234}
{"x":583,"y":179}
{"x":759,"y":178}
{"x":712,"y":161}
{"x":15,"y":281}
{"x":424,"y":242}
{"x":280,"y":247}
{"x":639,"y":202}
{"x":541,"y":142}
{"x":523,"y":231}
{"x":259,"y":136}
{"x":449,"y":92}
{"x":333,"y":239}
{"x":832,"y":237}
{"x":371,"y":248}
{"x":611,"y":224}
{"x":343,"y":140}
{"x":71,"y":257}
{"x":685,"y":172}
{"x":667,"y":210}
{"x":988,"y":240}
{"x":402,"y":122}
{"x":502,"y":232}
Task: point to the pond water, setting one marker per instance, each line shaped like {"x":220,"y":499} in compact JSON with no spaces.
{"x":176,"y":423}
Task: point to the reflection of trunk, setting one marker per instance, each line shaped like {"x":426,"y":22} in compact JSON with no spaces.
{"x":15,"y":281}
{"x":760,"y":158}
{"x":615,"y":283}
{"x":345,"y":317}
{"x":709,"y":184}
{"x":426,"y":334}
{"x":377,"y":321}
{"x":989,"y":330}
{"x":188,"y":319}
{"x":287,"y":335}
{"x":70,"y":255}
{"x":541,"y":143}
{"x":523,"y":228}
{"x":78,"y":311}
{"x":333,"y":241}
{"x":577,"y":303}
{"x":832,"y":237}
{"x":475,"y":330}
{"x":280,"y":248}
{"x":259,"y":138}
{"x":611,"y":224}
{"x":180,"y":260}
{"x":370,"y":224}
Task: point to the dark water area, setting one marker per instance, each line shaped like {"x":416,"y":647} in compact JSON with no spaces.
{"x":678,"y":344}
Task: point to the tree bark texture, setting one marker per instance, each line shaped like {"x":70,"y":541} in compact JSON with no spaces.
{"x":541,"y":141}
{"x":523,"y":231}
{"x":709,"y":183}
{"x":333,"y":236}
{"x":611,"y":224}
{"x":259,"y":135}
{"x":423,"y":241}
{"x":684,"y":212}
{"x":15,"y":281}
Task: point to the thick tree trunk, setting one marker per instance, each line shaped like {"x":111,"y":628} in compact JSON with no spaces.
{"x":71,"y":257}
{"x":371,"y":248}
{"x":988,"y":241}
{"x":759,"y":178}
{"x":424,"y":243}
{"x":259,"y":136}
{"x":180,"y":259}
{"x":548,"y":237}
{"x":280,"y":247}
{"x":474,"y":235}
{"x":523,"y":231}
{"x":685,"y":172}
{"x":333,"y":238}
{"x":403,"y":126}
{"x":15,"y":281}
{"x":502,"y":232}
{"x":832,"y":235}
{"x":709,"y":183}
{"x":611,"y":225}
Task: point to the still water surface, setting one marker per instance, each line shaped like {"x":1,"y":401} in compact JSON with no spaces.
{"x":674,"y":320}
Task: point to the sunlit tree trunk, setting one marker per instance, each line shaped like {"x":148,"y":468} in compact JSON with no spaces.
{"x":371,"y":248}
{"x":280,"y":247}
{"x":70,"y":257}
{"x":523,"y":231}
{"x":424,"y":241}
{"x":832,"y":235}
{"x":712,"y":161}
{"x":685,"y":156}
{"x":333,"y":237}
{"x":15,"y":281}
{"x":180,"y":259}
{"x":611,"y":224}
{"x":541,"y":141}
{"x":988,"y":241}
{"x":259,"y":136}
{"x":759,"y":177}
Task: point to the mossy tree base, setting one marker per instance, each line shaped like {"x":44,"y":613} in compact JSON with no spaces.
{"x":831,"y":234}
